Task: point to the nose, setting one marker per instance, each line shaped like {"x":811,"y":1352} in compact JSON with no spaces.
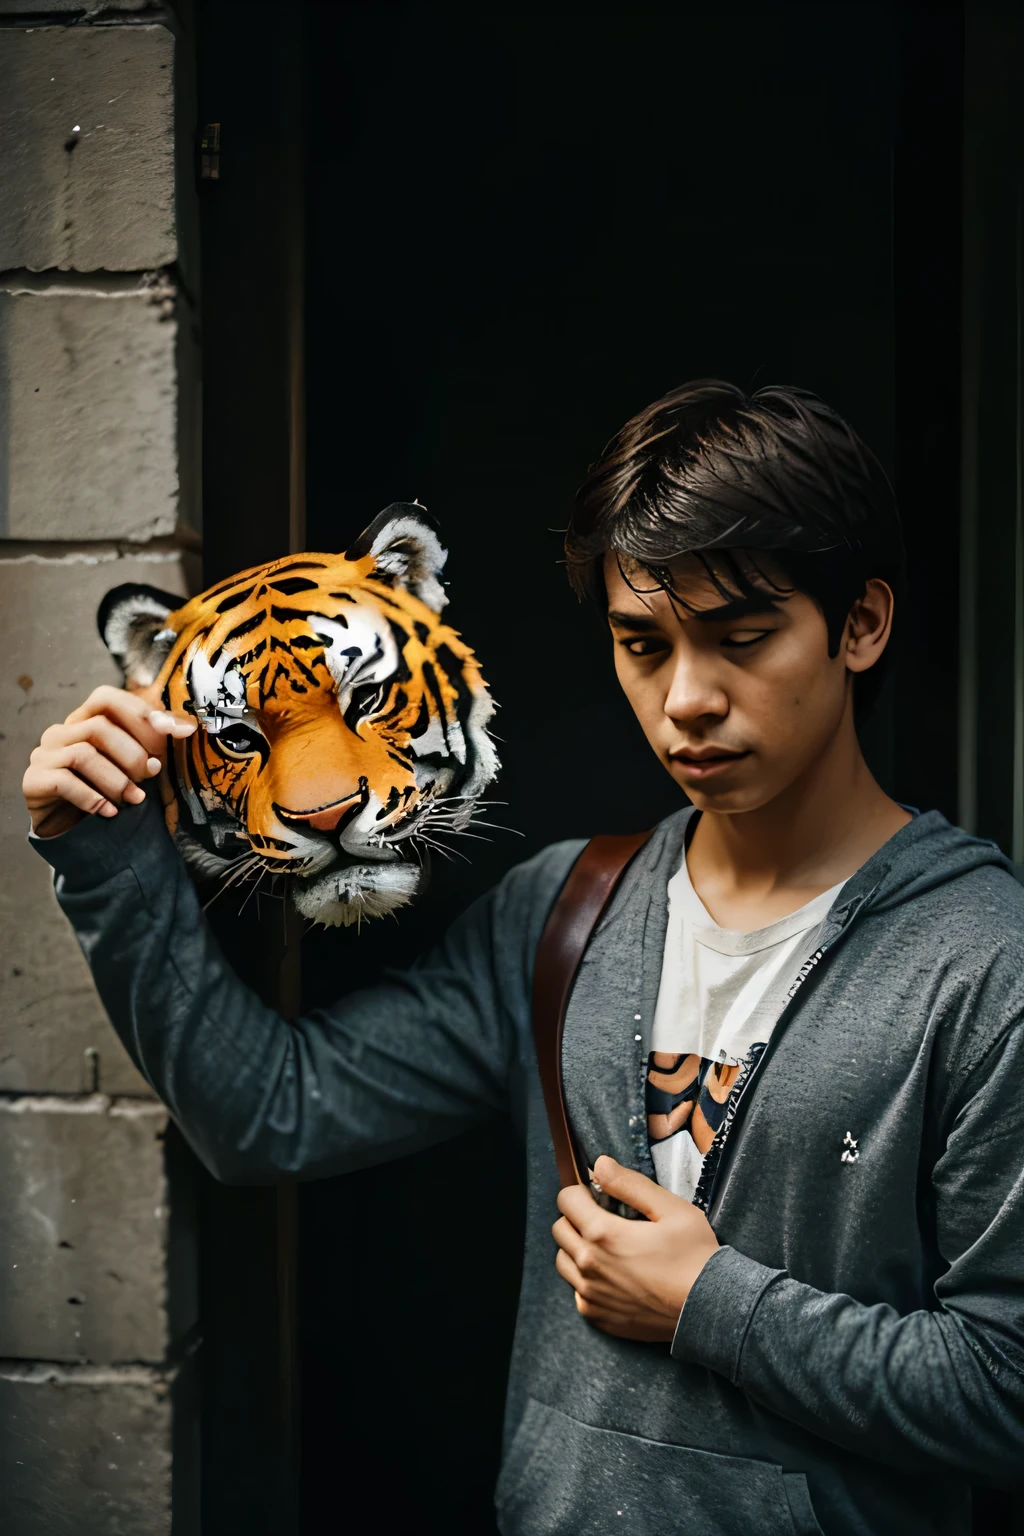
{"x":693,"y":692}
{"x":323,"y":818}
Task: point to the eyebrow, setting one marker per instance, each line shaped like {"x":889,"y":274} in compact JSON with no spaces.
{"x":739,"y":608}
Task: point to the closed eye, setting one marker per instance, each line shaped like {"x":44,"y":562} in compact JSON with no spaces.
{"x":644,"y":645}
{"x":741,"y":638}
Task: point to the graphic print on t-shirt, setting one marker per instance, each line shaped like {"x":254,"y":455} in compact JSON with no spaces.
{"x":720,"y":995}
{"x":687,"y":1091}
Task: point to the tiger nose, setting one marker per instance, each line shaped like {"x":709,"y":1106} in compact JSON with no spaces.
{"x":324,"y":818}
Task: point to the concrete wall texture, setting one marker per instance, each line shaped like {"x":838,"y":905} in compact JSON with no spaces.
{"x":98,"y":456}
{"x":87,"y":393}
{"x":87,"y":174}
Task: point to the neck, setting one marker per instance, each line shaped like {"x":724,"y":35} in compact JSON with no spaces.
{"x":819,"y":831}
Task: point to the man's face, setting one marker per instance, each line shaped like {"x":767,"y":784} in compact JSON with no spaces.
{"x":739,"y":698}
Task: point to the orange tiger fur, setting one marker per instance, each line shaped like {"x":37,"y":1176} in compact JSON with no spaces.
{"x":342,"y":724}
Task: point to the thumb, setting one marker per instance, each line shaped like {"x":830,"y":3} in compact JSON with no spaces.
{"x":633,"y":1188}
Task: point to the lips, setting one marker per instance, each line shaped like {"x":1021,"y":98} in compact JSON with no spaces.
{"x":702,"y":762}
{"x":705,"y":754}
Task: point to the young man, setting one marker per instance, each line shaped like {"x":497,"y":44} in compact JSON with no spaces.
{"x":795,"y":1044}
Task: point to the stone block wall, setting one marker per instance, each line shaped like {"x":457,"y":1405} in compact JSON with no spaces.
{"x":98,"y":476}
{"x":87,"y":175}
{"x":87,"y":390}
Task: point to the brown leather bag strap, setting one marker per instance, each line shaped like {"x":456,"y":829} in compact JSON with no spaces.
{"x":571,"y":922}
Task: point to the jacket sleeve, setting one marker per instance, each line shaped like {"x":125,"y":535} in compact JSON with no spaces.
{"x":946,"y":1383}
{"x":383,"y":1072}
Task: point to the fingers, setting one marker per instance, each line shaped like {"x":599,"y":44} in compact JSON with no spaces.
{"x":127,"y":710}
{"x":96,"y":760}
{"x":172,"y":725}
{"x":569,"y":1271}
{"x":591,"y":1288}
{"x":633,"y":1188}
{"x":579,"y":1205}
{"x":592,"y":1296}
{"x":596,"y":1303}
{"x":581,"y":1264}
{"x":51,"y":765}
{"x":119,"y":746}
{"x":59,"y":784}
{"x":568,"y":1239}
{"x":135,"y":715}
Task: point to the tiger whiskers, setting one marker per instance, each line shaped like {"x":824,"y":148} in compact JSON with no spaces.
{"x":255,"y":888}
{"x":454,"y":815}
{"x":437,"y":820}
{"x":240,"y":871}
{"x":446,"y":853}
{"x":253,"y":867}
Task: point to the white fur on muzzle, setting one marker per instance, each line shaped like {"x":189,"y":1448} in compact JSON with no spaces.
{"x":358,"y":892}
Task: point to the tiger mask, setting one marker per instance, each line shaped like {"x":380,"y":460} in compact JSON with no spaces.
{"x":342,"y":725}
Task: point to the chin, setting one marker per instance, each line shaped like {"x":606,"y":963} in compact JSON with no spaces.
{"x":722,"y":805}
{"x":724,"y":799}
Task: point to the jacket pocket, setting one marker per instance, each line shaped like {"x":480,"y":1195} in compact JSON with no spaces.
{"x":563,"y":1478}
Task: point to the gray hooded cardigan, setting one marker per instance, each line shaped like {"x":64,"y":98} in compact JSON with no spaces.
{"x":852,"y":1357}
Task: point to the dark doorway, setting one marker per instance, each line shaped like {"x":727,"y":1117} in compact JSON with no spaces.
{"x":523,"y":223}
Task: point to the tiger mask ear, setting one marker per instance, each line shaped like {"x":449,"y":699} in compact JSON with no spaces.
{"x":132,"y":621}
{"x":403,"y":540}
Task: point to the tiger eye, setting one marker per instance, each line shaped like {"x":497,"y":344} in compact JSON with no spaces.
{"x":238,"y":739}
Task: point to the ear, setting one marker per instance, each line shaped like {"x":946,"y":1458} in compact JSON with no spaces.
{"x":132,"y":621}
{"x":403,"y":540}
{"x":869,"y":626}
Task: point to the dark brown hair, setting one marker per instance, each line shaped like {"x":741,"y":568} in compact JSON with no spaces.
{"x":710,"y":471}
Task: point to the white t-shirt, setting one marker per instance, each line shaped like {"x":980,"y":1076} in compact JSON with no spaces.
{"x":717,"y":1006}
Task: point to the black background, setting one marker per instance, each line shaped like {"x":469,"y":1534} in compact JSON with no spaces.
{"x":522,"y":225}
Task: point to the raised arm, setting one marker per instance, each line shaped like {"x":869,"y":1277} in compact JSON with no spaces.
{"x":381,"y":1073}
